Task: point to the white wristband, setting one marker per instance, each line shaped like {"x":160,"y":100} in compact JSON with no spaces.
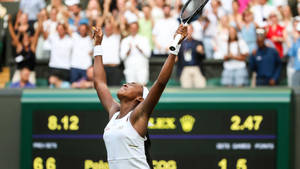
{"x":98,"y":50}
{"x":176,"y":51}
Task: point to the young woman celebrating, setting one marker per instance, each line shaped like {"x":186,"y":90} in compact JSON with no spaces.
{"x":125,"y":136}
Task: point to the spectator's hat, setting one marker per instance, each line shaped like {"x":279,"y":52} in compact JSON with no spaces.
{"x":72,"y":2}
{"x":83,"y":21}
{"x":260,"y":32}
{"x":131,"y":19}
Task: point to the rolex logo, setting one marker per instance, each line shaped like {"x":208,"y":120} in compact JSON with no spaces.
{"x":187,"y":123}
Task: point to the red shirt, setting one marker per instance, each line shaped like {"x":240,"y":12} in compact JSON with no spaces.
{"x":278,"y":32}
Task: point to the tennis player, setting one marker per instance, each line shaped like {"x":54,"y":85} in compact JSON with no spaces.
{"x":125,"y":136}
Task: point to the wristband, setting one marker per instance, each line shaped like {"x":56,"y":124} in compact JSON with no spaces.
{"x":98,"y":50}
{"x":176,"y":51}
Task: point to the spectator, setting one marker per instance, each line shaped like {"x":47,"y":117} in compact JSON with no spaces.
{"x":56,"y":82}
{"x":198,"y":29}
{"x":49,"y":25}
{"x":261,"y":12}
{"x":287,"y":22}
{"x":248,"y":30}
{"x":265,"y":62}
{"x":235,"y":17}
{"x":221,"y":38}
{"x":190,"y":59}
{"x":61,"y":47}
{"x":93,"y":11}
{"x":111,"y":58}
{"x":227,"y":5}
{"x":163,"y":32}
{"x":25,"y":51}
{"x":24,"y":80}
{"x":208,"y":37}
{"x":40,"y":52}
{"x":77,"y":15}
{"x":21,"y":24}
{"x":244,"y":5}
{"x":135,"y":51}
{"x":85,"y":82}
{"x":235,"y":71}
{"x":157,"y":11}
{"x":32,"y":8}
{"x":146,"y":24}
{"x":294,"y":53}
{"x":81,"y":53}
{"x":62,"y":10}
{"x":275,"y":33}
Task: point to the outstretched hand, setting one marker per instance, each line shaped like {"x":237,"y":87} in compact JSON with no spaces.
{"x":97,"y":35}
{"x":182,"y":30}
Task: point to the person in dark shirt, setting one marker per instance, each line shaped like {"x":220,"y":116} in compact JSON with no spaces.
{"x":25,"y":51}
{"x":265,"y":62}
{"x":190,"y":58}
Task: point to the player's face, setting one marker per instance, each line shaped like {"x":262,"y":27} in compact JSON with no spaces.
{"x":130,"y":91}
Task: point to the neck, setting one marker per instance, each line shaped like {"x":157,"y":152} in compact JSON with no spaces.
{"x":22,"y":83}
{"x":126,"y":107}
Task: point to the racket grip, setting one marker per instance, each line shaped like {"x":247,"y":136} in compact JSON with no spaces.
{"x":175,"y":42}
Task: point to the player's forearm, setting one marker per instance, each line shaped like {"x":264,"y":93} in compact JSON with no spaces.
{"x":99,"y":72}
{"x":166,"y":71}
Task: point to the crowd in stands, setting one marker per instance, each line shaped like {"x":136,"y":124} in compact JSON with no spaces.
{"x":250,"y":36}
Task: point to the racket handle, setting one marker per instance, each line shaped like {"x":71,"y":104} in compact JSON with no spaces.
{"x":175,"y":42}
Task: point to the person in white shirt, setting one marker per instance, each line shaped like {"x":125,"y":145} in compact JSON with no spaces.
{"x":198,"y":29}
{"x":136,"y":51}
{"x":81,"y":58}
{"x":61,"y":49}
{"x":235,"y":71}
{"x":261,"y":12}
{"x":111,"y":58}
{"x":163,"y":31}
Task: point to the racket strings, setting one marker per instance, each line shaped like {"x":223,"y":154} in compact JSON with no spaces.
{"x":191,"y":9}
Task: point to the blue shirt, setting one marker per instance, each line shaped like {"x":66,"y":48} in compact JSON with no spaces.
{"x":188,"y":55}
{"x":295,"y":53}
{"x":17,"y":85}
{"x":249,"y":35}
{"x":32,"y":8}
{"x":266,"y":63}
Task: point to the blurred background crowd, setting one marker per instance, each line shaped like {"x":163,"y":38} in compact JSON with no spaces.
{"x":251,"y":38}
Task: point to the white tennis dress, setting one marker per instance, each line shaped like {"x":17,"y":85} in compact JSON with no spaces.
{"x":125,"y":147}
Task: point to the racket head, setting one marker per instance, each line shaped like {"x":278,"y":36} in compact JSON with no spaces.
{"x":191,"y":9}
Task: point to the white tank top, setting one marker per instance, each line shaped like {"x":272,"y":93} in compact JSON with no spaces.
{"x":125,"y":147}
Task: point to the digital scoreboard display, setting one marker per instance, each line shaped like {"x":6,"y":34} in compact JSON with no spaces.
{"x":181,"y":139}
{"x":189,"y":129}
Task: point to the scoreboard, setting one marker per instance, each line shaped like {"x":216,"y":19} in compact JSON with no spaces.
{"x":211,"y":129}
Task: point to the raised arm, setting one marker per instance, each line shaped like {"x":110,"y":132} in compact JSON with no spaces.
{"x":14,"y":37}
{"x":142,"y":112}
{"x":36,"y":35}
{"x":110,"y":105}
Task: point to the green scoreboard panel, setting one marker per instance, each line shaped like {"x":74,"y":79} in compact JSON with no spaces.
{"x":206,"y":129}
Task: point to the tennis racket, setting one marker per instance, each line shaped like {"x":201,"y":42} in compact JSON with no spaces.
{"x":190,"y":9}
